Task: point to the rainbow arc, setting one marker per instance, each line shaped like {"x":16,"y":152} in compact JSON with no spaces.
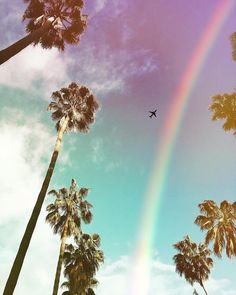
{"x":139,"y":281}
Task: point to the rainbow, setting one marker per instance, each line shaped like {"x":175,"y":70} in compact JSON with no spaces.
{"x":140,"y":276}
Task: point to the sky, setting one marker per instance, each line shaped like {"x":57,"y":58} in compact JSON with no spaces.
{"x":133,"y":56}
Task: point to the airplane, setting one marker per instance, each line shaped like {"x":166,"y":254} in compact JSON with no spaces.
{"x":153,"y":113}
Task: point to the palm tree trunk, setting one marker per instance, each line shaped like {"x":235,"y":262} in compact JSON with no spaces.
{"x":17,"y":265}
{"x":12,"y":50}
{"x":60,"y":259}
{"x":201,"y":283}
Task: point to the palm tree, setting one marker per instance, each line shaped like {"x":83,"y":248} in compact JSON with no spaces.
{"x":73,"y":109}
{"x":81,"y":264}
{"x":233,"y":44}
{"x":65,"y":215}
{"x":52,"y":23}
{"x":219,"y":222}
{"x":193,"y":261}
{"x":224,"y":107}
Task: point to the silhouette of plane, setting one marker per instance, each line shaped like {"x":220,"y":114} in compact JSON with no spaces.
{"x":153,"y":113}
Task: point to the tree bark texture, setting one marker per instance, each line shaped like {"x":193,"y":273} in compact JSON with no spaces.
{"x":60,"y":259}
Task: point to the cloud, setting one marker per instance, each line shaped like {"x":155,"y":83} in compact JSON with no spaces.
{"x":105,"y":70}
{"x":37,"y":70}
{"x":163,"y":280}
{"x":12,"y":27}
{"x":112,"y":6}
{"x":98,"y":154}
{"x":37,"y":265}
{"x":44,"y":71}
{"x":99,"y":5}
{"x":22,"y":155}
{"x":25,"y":148}
{"x":96,"y":62}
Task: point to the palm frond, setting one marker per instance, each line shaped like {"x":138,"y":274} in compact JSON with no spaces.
{"x":68,"y":25}
{"x":204,"y":222}
{"x":76,"y":103}
{"x":193,"y":261}
{"x":208,"y":207}
{"x":54,"y":193}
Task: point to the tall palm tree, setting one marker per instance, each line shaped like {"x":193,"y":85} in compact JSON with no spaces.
{"x":73,"y":109}
{"x":219,"y":222}
{"x":224,"y":107}
{"x":65,"y":215}
{"x":81,"y":264}
{"x":193,"y":261}
{"x":52,"y":23}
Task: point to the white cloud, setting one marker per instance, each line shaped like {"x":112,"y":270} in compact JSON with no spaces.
{"x":114,"y":278}
{"x":22,"y":149}
{"x":105,"y":70}
{"x":99,"y":5}
{"x":40,"y":263}
{"x":99,"y":71}
{"x":117,"y":7}
{"x":25,"y":148}
{"x":35,"y":69}
{"x":98,"y":155}
{"x":12,"y":28}
{"x":43,"y":71}
{"x":22,"y":152}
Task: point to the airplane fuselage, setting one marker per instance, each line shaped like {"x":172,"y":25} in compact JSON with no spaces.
{"x":153,"y":113}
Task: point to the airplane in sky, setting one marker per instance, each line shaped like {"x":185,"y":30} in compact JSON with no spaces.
{"x":153,"y":113}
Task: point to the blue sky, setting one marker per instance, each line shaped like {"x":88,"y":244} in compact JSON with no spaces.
{"x":131,"y":56}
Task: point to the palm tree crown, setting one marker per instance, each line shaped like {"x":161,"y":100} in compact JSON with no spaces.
{"x":90,"y":285}
{"x":81,"y":264}
{"x":69,"y":206}
{"x":219,"y":222}
{"x":224,"y":107}
{"x":68,"y":22}
{"x":64,"y":217}
{"x":77,"y":104}
{"x":193,"y":261}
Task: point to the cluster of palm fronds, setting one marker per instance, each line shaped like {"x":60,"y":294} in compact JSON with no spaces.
{"x":68,"y":23}
{"x":54,"y":23}
{"x":51,"y":23}
{"x":194,"y":261}
{"x":81,"y":260}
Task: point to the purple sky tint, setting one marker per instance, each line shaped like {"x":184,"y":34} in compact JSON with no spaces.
{"x":144,"y":48}
{"x":132,"y":55}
